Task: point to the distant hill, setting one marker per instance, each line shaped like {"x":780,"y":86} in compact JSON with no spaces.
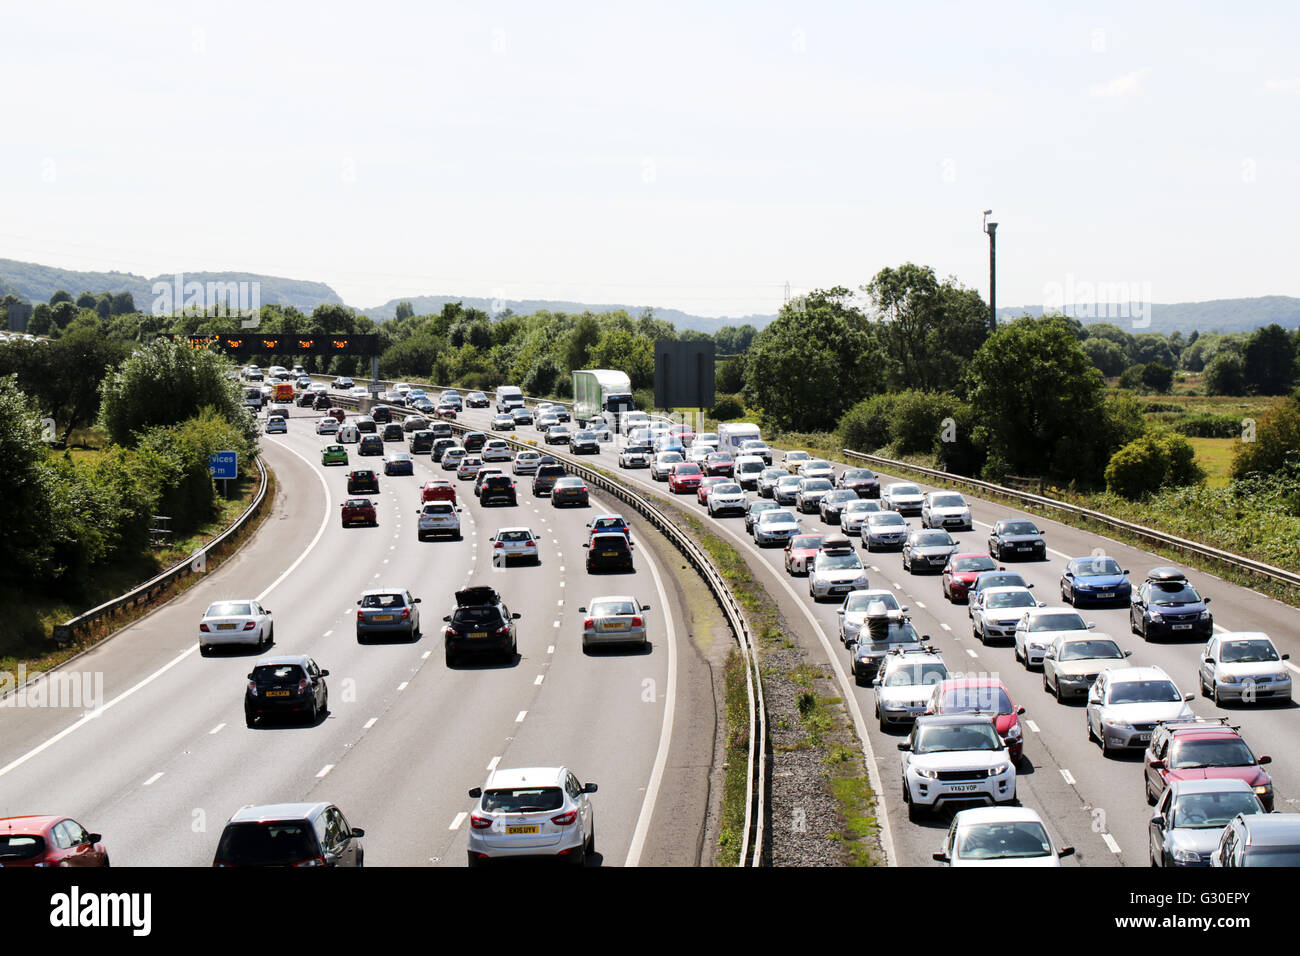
{"x":1217,"y":315}
{"x":425,"y":304}
{"x":37,"y":283}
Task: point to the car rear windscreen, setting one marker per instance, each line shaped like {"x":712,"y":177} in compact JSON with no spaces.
{"x":229,"y":609}
{"x":267,"y":844}
{"x":531,"y":800}
{"x":20,"y":846}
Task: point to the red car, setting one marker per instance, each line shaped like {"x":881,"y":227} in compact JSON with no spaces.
{"x":685,"y":476}
{"x":445,"y":411}
{"x":438,"y":491}
{"x":49,"y":841}
{"x":683,"y":433}
{"x":338,"y":414}
{"x":359,"y":511}
{"x":960,"y":572}
{"x":981,"y":695}
{"x":1203,"y":750}
{"x":720,"y":463}
{"x":800,"y":550}
{"x":706,"y":485}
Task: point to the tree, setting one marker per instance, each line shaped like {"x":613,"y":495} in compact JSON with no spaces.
{"x":581,"y":338}
{"x":166,"y":382}
{"x":734,"y":339}
{"x":123,"y":303}
{"x":41,"y":320}
{"x":1158,"y":378}
{"x":1153,"y":461}
{"x":1277,"y":436}
{"x":1225,"y":375}
{"x":25,"y":546}
{"x":1150,"y":347}
{"x":628,"y":352}
{"x":404,"y":310}
{"x":1113,"y":333}
{"x":62,"y":315}
{"x":811,"y":363}
{"x":86,"y":300}
{"x":60,"y":296}
{"x":1040,"y":403}
{"x":1269,"y":360}
{"x":104,"y":306}
{"x":1105,"y":355}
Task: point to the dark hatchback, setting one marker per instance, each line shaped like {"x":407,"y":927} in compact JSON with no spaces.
{"x":362,"y":480}
{"x":421,"y":442}
{"x":609,"y":552}
{"x":371,"y":445}
{"x":584,"y":443}
{"x":481,"y":624}
{"x":474,"y":441}
{"x":290,"y":834}
{"x":546,"y":477}
{"x":382,"y":414}
{"x":286,"y":686}
{"x":863,"y":481}
{"x":498,"y":489}
{"x":393,"y":432}
{"x":1166,"y":605}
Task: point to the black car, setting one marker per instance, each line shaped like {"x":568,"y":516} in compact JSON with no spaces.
{"x":362,"y":480}
{"x":1166,"y":605}
{"x":474,"y":441}
{"x":424,"y":406}
{"x":545,"y":478}
{"x":366,"y":425}
{"x":584,"y":443}
{"x":498,"y":489}
{"x":370,"y":445}
{"x":481,"y":624}
{"x":833,"y":503}
{"x":440,"y":445}
{"x":290,"y":834}
{"x":476,"y":400}
{"x":286,"y":685}
{"x":322,"y":402}
{"x":609,"y":552}
{"x":382,"y":414}
{"x":421,"y":442}
{"x":393,"y":432}
{"x":863,"y":481}
{"x":1016,"y":537}
{"x":306,"y":400}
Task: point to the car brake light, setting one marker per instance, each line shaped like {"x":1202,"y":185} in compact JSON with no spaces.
{"x":528,"y":544}
{"x":636,"y":622}
{"x":361,"y":615}
{"x":204,"y":628}
{"x":589,"y":623}
{"x":503,"y":629}
{"x":406,"y":614}
{"x":499,"y":544}
{"x":303,"y":685}
{"x":564,"y":819}
{"x":479,"y":822}
{"x":311,"y":861}
{"x":250,"y":625}
{"x":448,"y":632}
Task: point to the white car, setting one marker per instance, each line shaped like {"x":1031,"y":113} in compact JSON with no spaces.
{"x":758,"y":448}
{"x":817,"y":468}
{"x":241,"y":621}
{"x":904,"y":682}
{"x":532,"y":811}
{"x":995,"y":612}
{"x":401,"y":388}
{"x":727,"y":497}
{"x":1244,"y":666}
{"x":700,"y":453}
{"x":903,"y":497}
{"x":438,"y":517}
{"x":496,"y":449}
{"x":1126,"y":703}
{"x":359,"y":391}
{"x":747,"y":470}
{"x":1000,"y":836}
{"x":835,"y":571}
{"x":613,"y":619}
{"x":514,"y":544}
{"x":854,"y":514}
{"x":526,"y":463}
{"x":1041,"y":626}
{"x":853,"y":612}
{"x":327,"y":426}
{"x":634,"y":456}
{"x":948,"y":510}
{"x":955,"y":757}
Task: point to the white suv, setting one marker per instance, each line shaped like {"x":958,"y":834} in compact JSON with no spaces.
{"x":533,"y":811}
{"x":955,"y":757}
{"x":438,"y":517}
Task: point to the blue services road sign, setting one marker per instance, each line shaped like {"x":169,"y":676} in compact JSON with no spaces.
{"x":224,"y":464}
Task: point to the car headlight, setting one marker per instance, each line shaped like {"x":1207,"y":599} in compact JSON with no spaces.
{"x":1204,"y":615}
{"x":928,"y":774}
{"x":1263,"y":790}
{"x":1117,"y":724}
{"x":1281,"y":675}
{"x":1014,"y":733}
{"x":1228,"y":678}
{"x":1186,"y":856}
{"x":1155,"y":616}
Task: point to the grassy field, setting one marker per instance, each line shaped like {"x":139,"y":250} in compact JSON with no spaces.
{"x":1215,"y":456}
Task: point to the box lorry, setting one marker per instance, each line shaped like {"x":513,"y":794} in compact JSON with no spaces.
{"x":601,"y":395}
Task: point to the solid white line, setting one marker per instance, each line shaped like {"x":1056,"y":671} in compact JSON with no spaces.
{"x":152,"y":779}
{"x":492,"y":764}
{"x":459,"y":819}
{"x":555,"y":624}
{"x":560,"y":603}
{"x":520,"y":718}
{"x":1069,"y":777}
{"x":1292,"y":666}
{"x":217,"y":729}
{"x":539,"y":680}
{"x":370,"y":723}
{"x":665,"y":729}
{"x":324,"y":770}
{"x":1110,"y":842}
{"x":919,"y":604}
{"x":1032,"y":726}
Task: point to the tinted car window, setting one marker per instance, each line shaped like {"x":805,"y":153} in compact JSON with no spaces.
{"x":264,"y":844}
{"x":277,"y":673}
{"x":534,"y":800}
{"x":383,"y":600}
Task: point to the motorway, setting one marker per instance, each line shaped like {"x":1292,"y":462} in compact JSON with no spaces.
{"x":1093,"y":803}
{"x":168,"y":759}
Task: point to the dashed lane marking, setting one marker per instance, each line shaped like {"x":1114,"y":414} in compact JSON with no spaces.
{"x":152,"y":779}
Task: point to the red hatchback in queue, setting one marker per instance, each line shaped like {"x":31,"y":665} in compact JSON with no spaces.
{"x":800,"y":550}
{"x":438,"y":490}
{"x":720,"y":463}
{"x":706,"y":485}
{"x":337,"y":414}
{"x":960,"y":572}
{"x":685,"y":476}
{"x":981,"y":695}
{"x":359,"y":511}
{"x":49,"y":841}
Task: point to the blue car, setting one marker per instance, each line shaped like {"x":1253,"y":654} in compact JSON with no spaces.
{"x":1166,"y":605}
{"x":1098,"y":580}
{"x":670,"y":443}
{"x":399,"y":463}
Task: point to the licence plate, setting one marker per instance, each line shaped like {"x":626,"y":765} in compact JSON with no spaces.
{"x":521,"y":829}
{"x":225,"y":627}
{"x":1025,"y":547}
{"x":963,"y":788}
{"x":277,"y":693}
{"x":1182,"y":627}
{"x":382,"y":617}
{"x":478,"y":634}
{"x":611,"y":626}
{"x":609,"y":554}
{"x":1144,"y":737}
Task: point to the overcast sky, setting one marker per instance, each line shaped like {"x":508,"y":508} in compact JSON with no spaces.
{"x":681,"y":155}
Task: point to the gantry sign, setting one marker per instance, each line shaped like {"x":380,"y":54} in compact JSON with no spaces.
{"x":245,"y":344}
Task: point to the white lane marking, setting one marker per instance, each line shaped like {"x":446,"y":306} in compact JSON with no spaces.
{"x":385,"y":561}
{"x":561,"y":569}
{"x":550,"y":649}
{"x":560,"y":603}
{"x":665,"y":729}
{"x":897,"y":586}
{"x":370,"y":723}
{"x":458,"y":820}
{"x":919,"y":604}
{"x":520,"y":718}
{"x":328,"y":633}
{"x":376,"y":574}
{"x":1069,"y":777}
{"x":561,"y":584}
{"x":1032,"y":726}
{"x":425,"y":655}
{"x":1110,"y":840}
{"x":555,"y":624}
{"x":324,"y":770}
{"x":539,"y":680}
{"x":1292,"y":666}
{"x":492,"y":764}
{"x":402,"y":686}
{"x":217,"y":729}
{"x":971,"y":652}
{"x":944,"y":626}
{"x":152,"y":779}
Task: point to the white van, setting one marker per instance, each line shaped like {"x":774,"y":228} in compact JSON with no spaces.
{"x":509,"y":397}
{"x":348,"y":434}
{"x":747,"y":470}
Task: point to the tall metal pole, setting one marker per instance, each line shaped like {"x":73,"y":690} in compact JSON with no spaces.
{"x":992,"y":229}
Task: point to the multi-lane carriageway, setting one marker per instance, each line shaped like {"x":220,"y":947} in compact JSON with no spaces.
{"x":165,"y":763}
{"x":1093,"y":803}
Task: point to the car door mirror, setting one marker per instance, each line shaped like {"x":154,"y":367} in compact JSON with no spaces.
{"x":1188,"y":698}
{"x":324,"y":673}
{"x":1065,"y":851}
{"x":1286,"y":657}
{"x":446,"y":617}
{"x":904,"y":745}
{"x":476,"y":792}
{"x":1128,"y":653}
{"x":645,"y":607}
{"x":1069,"y":574}
{"x":589,"y":788}
{"x":250,"y":675}
{"x":1049,"y":655}
{"x":515,"y":616}
{"x":358,"y":832}
{"x":940,"y":857}
{"x":1092,"y":625}
{"x":94,"y":837}
{"x":1265,"y":759}
{"x":1019,"y":711}
{"x":416,"y":600}
{"x":1208,"y":600}
{"x":1157,"y":765}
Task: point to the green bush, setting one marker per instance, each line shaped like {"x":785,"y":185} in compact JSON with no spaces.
{"x":917,"y":420}
{"x":868,"y":425}
{"x":728,"y":408}
{"x":1132,"y":377}
{"x":1276,"y":438}
{"x":1209,"y":426}
{"x":1156,"y":460}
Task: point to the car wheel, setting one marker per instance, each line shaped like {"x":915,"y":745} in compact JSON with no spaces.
{"x":983,"y":636}
{"x":1146,"y":788}
{"x":1151,"y":855}
{"x":450,"y":658}
{"x":1105,"y":747}
{"x":913,"y":811}
{"x":1087,"y":722}
{"x":250,"y":719}
{"x":1214,"y":695}
{"x":205,"y":650}
{"x":472,"y":860}
{"x":1132,"y":623}
{"x":314,"y":715}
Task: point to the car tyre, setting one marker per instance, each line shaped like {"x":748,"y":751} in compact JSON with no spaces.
{"x":1146,"y":788}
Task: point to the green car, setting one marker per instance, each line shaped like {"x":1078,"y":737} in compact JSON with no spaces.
{"x":334,"y":455}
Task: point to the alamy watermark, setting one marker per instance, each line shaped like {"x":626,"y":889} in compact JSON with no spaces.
{"x":220,"y":299}
{"x":1130,"y":301}
{"x":73,"y":690}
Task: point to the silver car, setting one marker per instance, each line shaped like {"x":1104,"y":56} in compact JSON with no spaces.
{"x":1243,"y":666}
{"x":995,"y":612}
{"x":526,"y":462}
{"x":836,"y":572}
{"x":614,"y":619}
{"x":663,"y":463}
{"x":1190,"y":816}
{"x":1040,"y":627}
{"x":854,"y":514}
{"x":817,"y":468}
{"x":767,"y":480}
{"x":386,"y":611}
{"x":727,"y":497}
{"x":903,"y":497}
{"x":533,"y":811}
{"x":810,"y":494}
{"x":857,"y":604}
{"x":903,"y":685}
{"x":786,"y":490}
{"x":496,"y":449}
{"x":510,"y":544}
{"x":438,"y":517}
{"x":884,"y":530}
{"x":946,"y":509}
{"x":774,"y":527}
{"x":1071,"y":664}
{"x":1126,"y":703}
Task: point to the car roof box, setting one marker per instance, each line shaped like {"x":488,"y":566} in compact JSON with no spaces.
{"x":477,"y":596}
{"x":1166,"y":574}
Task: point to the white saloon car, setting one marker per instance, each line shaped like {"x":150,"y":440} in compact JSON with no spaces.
{"x":241,"y":621}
